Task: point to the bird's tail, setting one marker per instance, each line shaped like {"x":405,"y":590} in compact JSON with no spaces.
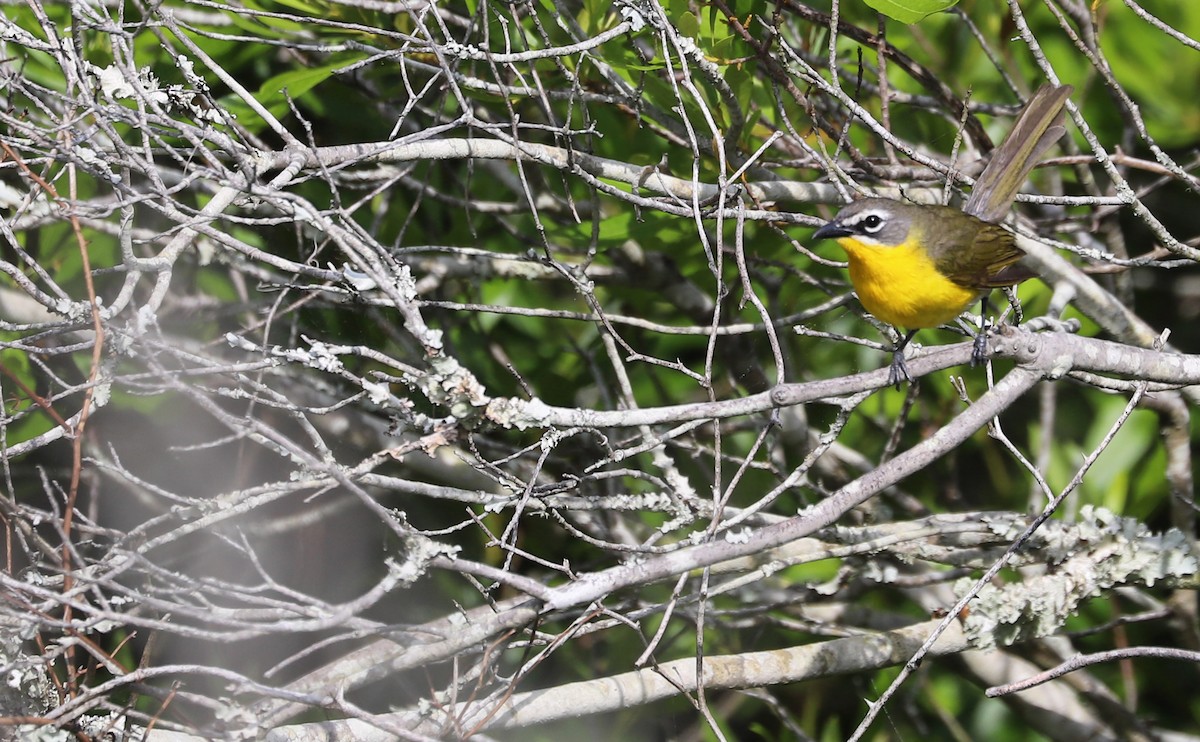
{"x":1037,"y":128}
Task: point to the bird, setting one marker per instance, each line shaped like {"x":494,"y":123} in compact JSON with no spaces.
{"x":916,"y":266}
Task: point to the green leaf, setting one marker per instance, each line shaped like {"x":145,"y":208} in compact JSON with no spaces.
{"x":596,"y":10}
{"x":910,"y":11}
{"x":297,"y":82}
{"x":312,"y":9}
{"x":689,"y":25}
{"x":712,"y":32}
{"x":742,"y":84}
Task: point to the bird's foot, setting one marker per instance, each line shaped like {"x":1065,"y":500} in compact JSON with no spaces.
{"x":1010,"y":293}
{"x":898,"y":370}
{"x":979,"y":349}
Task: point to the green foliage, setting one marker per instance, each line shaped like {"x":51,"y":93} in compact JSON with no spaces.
{"x":542,"y":284}
{"x":31,"y":419}
{"x":1133,"y":46}
{"x":1128,"y":471}
{"x":296,"y":83}
{"x":910,"y":11}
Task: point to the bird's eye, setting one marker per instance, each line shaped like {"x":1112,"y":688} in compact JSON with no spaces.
{"x":872,"y":222}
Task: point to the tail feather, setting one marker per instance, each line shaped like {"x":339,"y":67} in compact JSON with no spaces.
{"x":1036,"y":130}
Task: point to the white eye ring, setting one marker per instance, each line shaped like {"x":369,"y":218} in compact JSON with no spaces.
{"x":871,"y":222}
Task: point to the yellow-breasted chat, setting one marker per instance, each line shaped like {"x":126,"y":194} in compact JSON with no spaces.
{"x":917,"y":266}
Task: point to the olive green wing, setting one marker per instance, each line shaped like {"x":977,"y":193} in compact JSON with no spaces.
{"x":990,"y":262}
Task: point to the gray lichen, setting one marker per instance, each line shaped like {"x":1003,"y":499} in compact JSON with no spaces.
{"x":1085,"y":558}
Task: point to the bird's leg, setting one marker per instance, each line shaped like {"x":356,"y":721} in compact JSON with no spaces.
{"x":898,"y":370}
{"x":979,"y":348}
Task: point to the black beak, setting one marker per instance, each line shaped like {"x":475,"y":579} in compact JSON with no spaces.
{"x":832,"y":229}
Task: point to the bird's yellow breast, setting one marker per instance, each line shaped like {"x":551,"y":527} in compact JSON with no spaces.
{"x":900,"y":285}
